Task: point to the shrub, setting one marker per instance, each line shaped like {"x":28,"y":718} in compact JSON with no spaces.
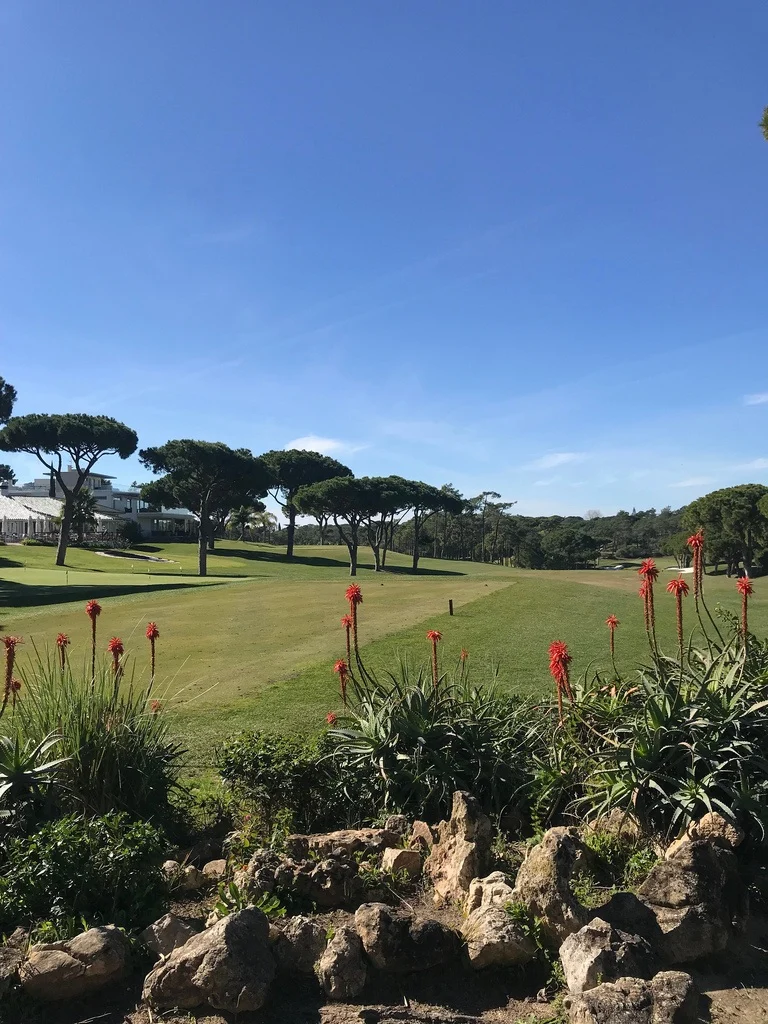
{"x":103,"y":869}
{"x":119,"y":751}
{"x":691,"y":737}
{"x":288,"y":780}
{"x":413,"y":744}
{"x":33,"y":542}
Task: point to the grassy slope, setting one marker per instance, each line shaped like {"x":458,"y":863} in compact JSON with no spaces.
{"x":257,"y":650}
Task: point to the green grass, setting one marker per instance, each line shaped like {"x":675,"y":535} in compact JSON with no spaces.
{"x":253,"y":645}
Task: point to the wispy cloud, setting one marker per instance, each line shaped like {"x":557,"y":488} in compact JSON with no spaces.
{"x":754,"y":464}
{"x":324,"y":445}
{"x":693,"y":481}
{"x":557,"y":459}
{"x":761,"y":398}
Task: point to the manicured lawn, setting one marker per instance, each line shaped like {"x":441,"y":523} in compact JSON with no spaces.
{"x":253,"y":646}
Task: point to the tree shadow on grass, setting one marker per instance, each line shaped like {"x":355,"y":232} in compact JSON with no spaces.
{"x":279,"y":558}
{"x":30,"y":595}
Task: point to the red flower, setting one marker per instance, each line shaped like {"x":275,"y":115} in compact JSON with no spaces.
{"x":115,"y":646}
{"x":331,"y":719}
{"x":152,"y":631}
{"x":11,"y":643}
{"x":678,"y":586}
{"x":696,"y":541}
{"x":93,"y":610}
{"x":559,"y":660}
{"x":649,"y":570}
{"x":155,"y":707}
{"x":463,"y":654}
{"x":346,"y":621}
{"x":612,"y":622}
{"x":342,"y":670}
{"x":744,"y":586}
{"x":62,"y":640}
{"x":434,"y":635}
{"x":354,"y":594}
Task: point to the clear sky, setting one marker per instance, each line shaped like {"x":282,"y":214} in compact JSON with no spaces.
{"x":511,"y":245}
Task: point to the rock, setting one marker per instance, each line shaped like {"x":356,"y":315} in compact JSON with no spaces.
{"x":166,"y":934}
{"x":331,"y":883}
{"x":191,"y":879}
{"x":669,"y":999}
{"x":543,"y":883}
{"x":171,"y":869}
{"x":261,"y":870}
{"x":344,"y":843}
{"x":203,"y":851}
{"x":70,"y":969}
{"x":342,"y":969}
{"x":227,"y":967}
{"x":462,"y":849}
{"x":396,"y":942}
{"x":422,"y":837}
{"x":396,"y":860}
{"x":494,"y":939}
{"x":398,"y":824}
{"x":11,"y":959}
{"x":299,"y":945}
{"x":489,"y":891}
{"x":713,"y":828}
{"x":629,"y":914}
{"x":698,"y":899}
{"x":215,"y":870}
{"x":597,"y":952}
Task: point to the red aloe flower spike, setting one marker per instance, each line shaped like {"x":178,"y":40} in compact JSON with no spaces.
{"x":331,"y":719}
{"x":93,"y":611}
{"x":744,"y":587}
{"x":11,"y":643}
{"x":559,"y":660}
{"x":355,"y":597}
{"x":643,"y":592}
{"x":342,"y":670}
{"x":115,"y":648}
{"x":612,"y":622}
{"x":152,"y":634}
{"x":463,"y":654}
{"x":155,"y":707}
{"x":680,"y":589}
{"x":650,"y":573}
{"x":696,"y":543}
{"x":649,"y":569}
{"x":435,"y":636}
{"x":62,"y":642}
{"x":346,"y":621}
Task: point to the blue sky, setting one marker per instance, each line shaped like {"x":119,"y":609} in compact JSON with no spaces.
{"x":514,"y":246}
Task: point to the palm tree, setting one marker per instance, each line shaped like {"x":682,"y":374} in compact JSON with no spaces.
{"x":242,"y":519}
{"x":84,"y":512}
{"x":266,"y":522}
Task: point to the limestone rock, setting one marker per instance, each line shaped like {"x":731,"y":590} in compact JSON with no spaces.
{"x":227,"y":967}
{"x":629,"y":914}
{"x":396,"y":942}
{"x":70,"y":969}
{"x":494,"y":939}
{"x":345,"y":843}
{"x":398,"y":824}
{"x":397,"y":860}
{"x":422,"y":837}
{"x":699,"y":901}
{"x":166,"y":934}
{"x":543,"y":883}
{"x":342,"y":970}
{"x":299,"y":945}
{"x":10,"y":961}
{"x":713,"y":828}
{"x":461,"y":850}
{"x":597,"y":952}
{"x":215,"y":870}
{"x":489,"y":891}
{"x":670,"y":998}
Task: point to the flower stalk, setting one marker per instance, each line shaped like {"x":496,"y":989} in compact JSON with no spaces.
{"x":11,"y":643}
{"x":62,"y":643}
{"x":680,"y":589}
{"x":152,"y":634}
{"x":93,"y":611}
{"x":434,"y":636}
{"x":559,"y":660}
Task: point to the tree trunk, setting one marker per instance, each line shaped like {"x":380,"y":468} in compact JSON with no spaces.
{"x":66,"y":523}
{"x":202,"y":544}
{"x":352,"y":558}
{"x":416,"y":531}
{"x":291,"y":510}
